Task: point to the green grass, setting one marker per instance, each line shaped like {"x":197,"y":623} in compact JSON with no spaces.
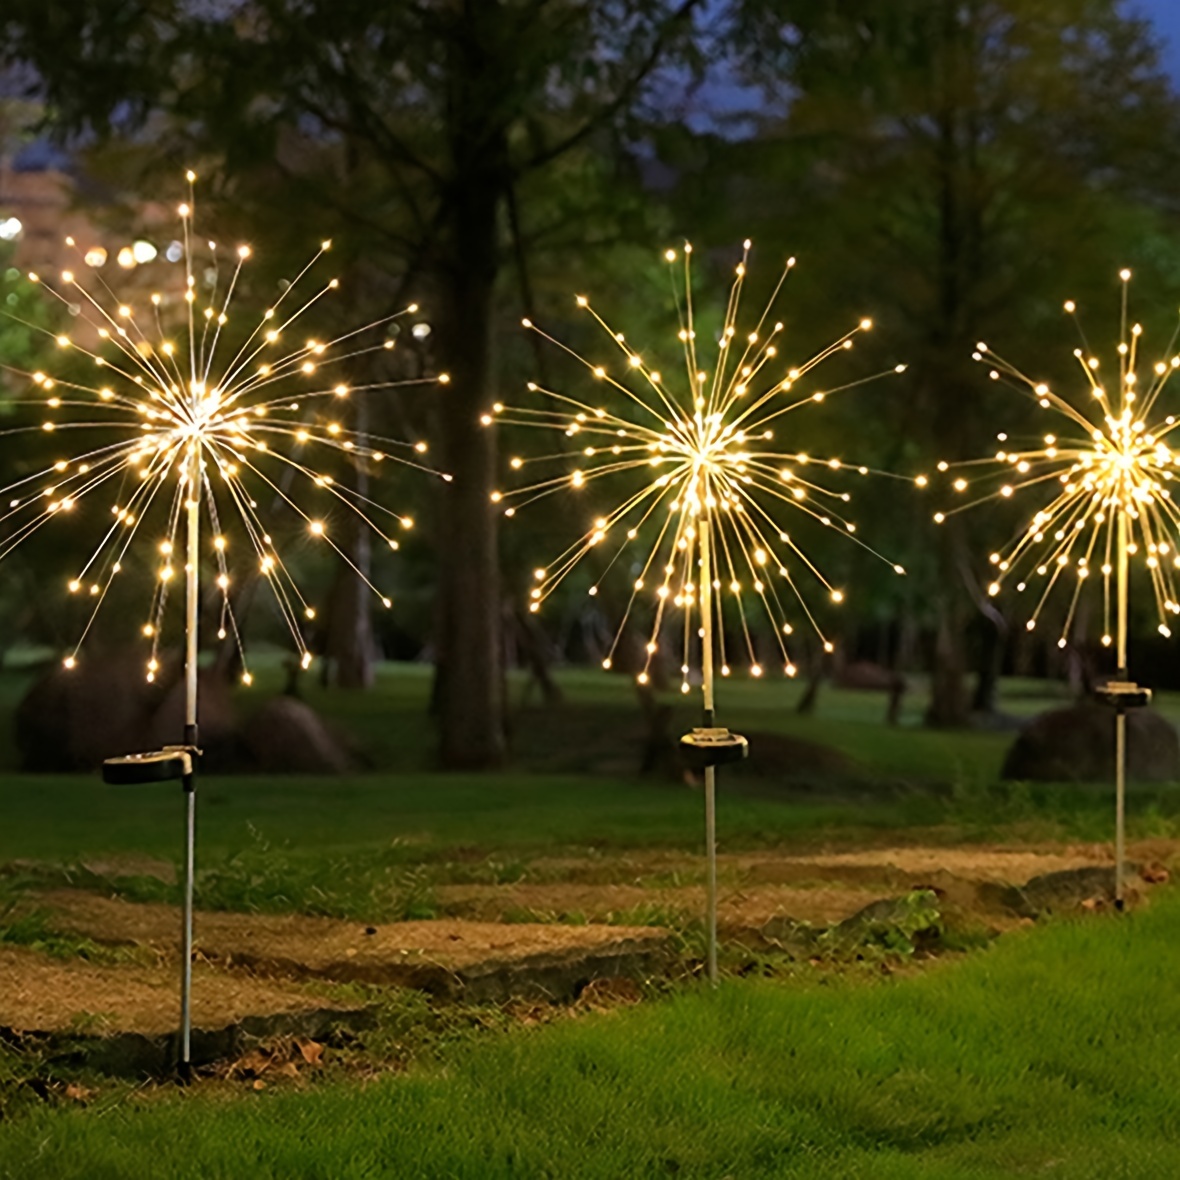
{"x":408,"y":810}
{"x":373,"y":845}
{"x":1044,"y":1055}
{"x":25,"y":924}
{"x":54,"y":816}
{"x":1040,"y":1055}
{"x":420,"y":816}
{"x":358,"y":837}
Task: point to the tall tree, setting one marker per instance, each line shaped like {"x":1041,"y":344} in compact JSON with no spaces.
{"x":440,"y":113}
{"x":973,"y":159}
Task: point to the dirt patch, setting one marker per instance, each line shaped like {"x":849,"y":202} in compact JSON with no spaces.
{"x":888,"y":864}
{"x":114,"y":867}
{"x":971,"y":862}
{"x":43,"y":994}
{"x":608,"y":903}
{"x":110,"y":868}
{"x":254,"y":965}
{"x":478,"y":960}
{"x":819,"y":888}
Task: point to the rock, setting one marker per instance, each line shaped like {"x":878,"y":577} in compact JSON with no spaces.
{"x":287,"y":736}
{"x":217,"y":734}
{"x":902,"y":924}
{"x":776,"y":760}
{"x":1069,"y":889}
{"x":1077,"y":745}
{"x":71,"y":719}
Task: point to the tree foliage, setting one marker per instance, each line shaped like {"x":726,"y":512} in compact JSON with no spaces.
{"x":423,"y":127}
{"x":967,"y":164}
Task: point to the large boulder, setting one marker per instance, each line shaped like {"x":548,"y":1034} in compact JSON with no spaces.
{"x":1077,"y":745}
{"x":777,"y":755}
{"x":286,"y":736}
{"x":782,"y":763}
{"x":71,"y":719}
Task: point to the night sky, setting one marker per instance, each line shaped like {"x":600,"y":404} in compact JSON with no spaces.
{"x":1166,"y":16}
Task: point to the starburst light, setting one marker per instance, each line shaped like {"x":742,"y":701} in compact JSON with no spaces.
{"x":711,"y":480}
{"x":1103,"y":476}
{"x":190,"y":417}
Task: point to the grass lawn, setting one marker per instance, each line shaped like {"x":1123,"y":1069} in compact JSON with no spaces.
{"x":1048,"y":1053}
{"x":345,"y":846}
{"x":1051,"y":1053}
{"x":928,"y":778}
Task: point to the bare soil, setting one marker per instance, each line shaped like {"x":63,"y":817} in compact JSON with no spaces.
{"x":329,"y":948}
{"x":557,"y":901}
{"x":970,"y":862}
{"x":756,"y":888}
{"x":251,"y":966}
{"x":43,"y":994}
{"x":593,"y":908}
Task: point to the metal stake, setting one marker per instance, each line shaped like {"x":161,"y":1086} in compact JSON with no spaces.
{"x":1120,"y":807}
{"x":1123,"y":694}
{"x":189,"y":783}
{"x":1120,"y":720}
{"x":706,"y":590}
{"x":179,"y":762}
{"x":184,"y":1066}
{"x":706,"y":748}
{"x":170,"y":764}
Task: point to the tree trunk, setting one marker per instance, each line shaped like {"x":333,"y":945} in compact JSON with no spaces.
{"x":348,"y":639}
{"x":949,"y":700}
{"x":533,"y":647}
{"x":469,"y":687}
{"x":991,"y":658}
{"x":948,"y":695}
{"x":959,"y":267}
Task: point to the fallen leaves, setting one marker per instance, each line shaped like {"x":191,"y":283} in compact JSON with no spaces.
{"x":602,"y":994}
{"x":310,"y":1051}
{"x":282,"y":1057}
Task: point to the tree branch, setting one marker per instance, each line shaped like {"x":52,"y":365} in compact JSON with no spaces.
{"x":621,"y":99}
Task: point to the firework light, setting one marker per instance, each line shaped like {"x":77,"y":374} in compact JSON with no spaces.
{"x":193,"y":419}
{"x":711,"y":483}
{"x":192,"y":423}
{"x":706,"y":500}
{"x":1103,"y":477}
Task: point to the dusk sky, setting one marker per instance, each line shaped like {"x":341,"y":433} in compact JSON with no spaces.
{"x":1166,"y":15}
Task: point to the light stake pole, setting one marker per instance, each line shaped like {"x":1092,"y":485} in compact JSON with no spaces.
{"x":709,"y":746}
{"x":192,"y":605}
{"x":179,"y":762}
{"x":171,"y":764}
{"x":710,"y":771}
{"x":1122,"y":694}
{"x":1120,"y":720}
